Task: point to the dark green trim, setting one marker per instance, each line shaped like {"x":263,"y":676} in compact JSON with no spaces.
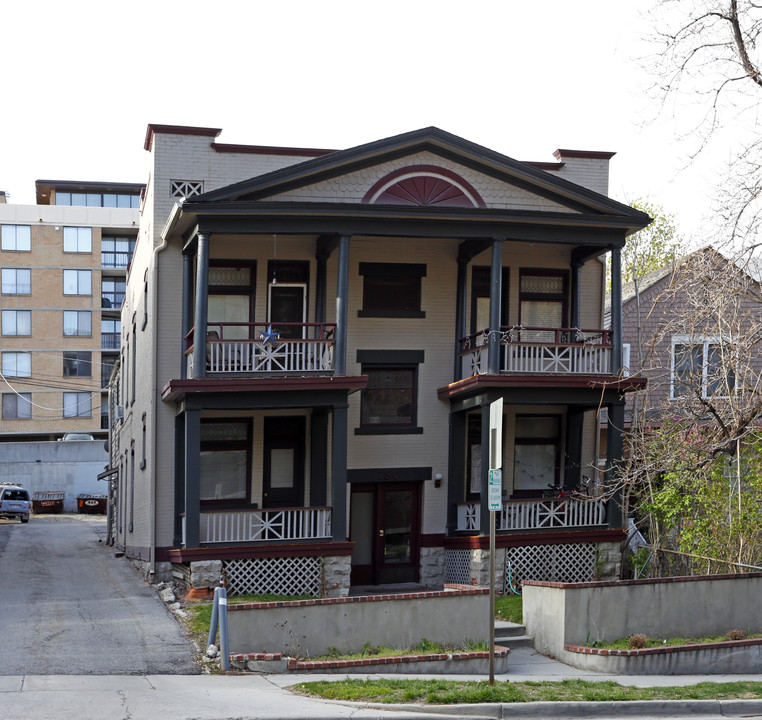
{"x":388,"y":430}
{"x":379,"y":475}
{"x":389,"y":357}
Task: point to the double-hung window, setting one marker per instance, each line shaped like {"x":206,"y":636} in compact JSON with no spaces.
{"x":77,"y":404}
{"x":77,"y":323}
{"x":78,"y":239}
{"x":17,"y":364}
{"x":16,"y":322}
{"x":392,"y":290}
{"x":17,"y":406}
{"x":702,"y":367}
{"x":16,"y":281}
{"x":542,"y":297}
{"x":225,"y":461}
{"x":16,"y":237}
{"x":77,"y":364}
{"x":77,"y":282}
{"x":388,"y":404}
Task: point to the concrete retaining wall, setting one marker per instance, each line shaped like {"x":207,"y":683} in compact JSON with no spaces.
{"x":71,"y":467}
{"x":558,"y":614}
{"x":306,"y":628}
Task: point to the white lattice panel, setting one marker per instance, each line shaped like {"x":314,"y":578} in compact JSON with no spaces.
{"x":277,"y":576}
{"x":458,"y":566}
{"x":574,"y":562}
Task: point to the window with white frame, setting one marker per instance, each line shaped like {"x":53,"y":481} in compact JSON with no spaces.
{"x":16,"y":281}
{"x":16,"y":237}
{"x":16,"y":322}
{"x":77,"y":404}
{"x":77,"y":282}
{"x":17,"y":364}
{"x":17,"y":406}
{"x":78,"y":239}
{"x":77,"y":322}
{"x":702,"y":367}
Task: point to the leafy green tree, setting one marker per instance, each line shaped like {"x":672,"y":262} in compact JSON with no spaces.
{"x":655,"y":246}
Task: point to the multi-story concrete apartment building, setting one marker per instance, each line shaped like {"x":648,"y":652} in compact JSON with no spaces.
{"x":63,"y":263}
{"x":313,"y":341}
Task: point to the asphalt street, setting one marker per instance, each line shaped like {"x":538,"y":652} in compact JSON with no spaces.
{"x":69,"y":607}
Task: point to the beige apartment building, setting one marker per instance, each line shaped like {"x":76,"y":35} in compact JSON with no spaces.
{"x":63,"y":263}
{"x":314,"y":342}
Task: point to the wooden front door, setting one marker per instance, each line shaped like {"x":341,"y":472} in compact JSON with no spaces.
{"x":283,"y":481}
{"x":385,"y":527}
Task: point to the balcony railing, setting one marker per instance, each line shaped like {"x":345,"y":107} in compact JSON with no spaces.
{"x":533,"y":350}
{"x":540,"y":514}
{"x":110,"y":340}
{"x":261,"y":348}
{"x":233,"y":526}
{"x":112,"y":299}
{"x":115,"y":259}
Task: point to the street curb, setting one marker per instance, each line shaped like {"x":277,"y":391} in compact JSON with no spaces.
{"x":613,"y":708}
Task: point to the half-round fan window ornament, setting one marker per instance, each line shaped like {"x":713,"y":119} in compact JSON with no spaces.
{"x":425,"y":186}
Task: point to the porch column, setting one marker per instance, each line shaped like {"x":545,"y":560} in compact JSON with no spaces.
{"x":573,"y":461}
{"x":460,"y":315}
{"x":484,"y":484}
{"x":616,"y":311}
{"x":192,"y":477}
{"x":614,"y":453}
{"x":187,"y":310}
{"x":320,"y":288}
{"x":576,"y":290}
{"x":339,"y":474}
{"x":456,"y":469}
{"x":177,"y":539}
{"x":319,"y":457}
{"x":202,"y":284}
{"x":342,"y":295}
{"x":495,"y":289}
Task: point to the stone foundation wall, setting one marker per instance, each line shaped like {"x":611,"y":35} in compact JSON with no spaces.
{"x":432,"y":570}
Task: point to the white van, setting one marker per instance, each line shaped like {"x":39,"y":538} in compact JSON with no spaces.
{"x":14,"y":502}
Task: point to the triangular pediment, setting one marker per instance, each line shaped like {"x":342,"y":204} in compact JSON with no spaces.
{"x":428,"y":168}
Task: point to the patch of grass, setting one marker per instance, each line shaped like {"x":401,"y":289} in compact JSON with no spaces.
{"x":447,"y":692}
{"x":424,"y":647}
{"x":646,"y":642}
{"x":510,"y":608}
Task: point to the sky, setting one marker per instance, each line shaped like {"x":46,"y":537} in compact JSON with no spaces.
{"x":83,"y":79}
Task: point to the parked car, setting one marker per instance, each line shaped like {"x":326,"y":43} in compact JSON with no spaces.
{"x":76,"y":436}
{"x":14,"y":502}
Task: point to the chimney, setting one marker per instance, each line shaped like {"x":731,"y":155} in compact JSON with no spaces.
{"x":588,"y":168}
{"x":3,"y":197}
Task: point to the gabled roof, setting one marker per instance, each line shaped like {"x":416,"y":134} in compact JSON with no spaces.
{"x":436,"y":141}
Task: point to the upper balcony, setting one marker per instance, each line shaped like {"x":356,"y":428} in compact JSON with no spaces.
{"x":235,"y":348}
{"x":538,"y":350}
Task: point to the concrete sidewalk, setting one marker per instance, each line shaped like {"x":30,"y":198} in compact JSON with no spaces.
{"x":264,"y":697}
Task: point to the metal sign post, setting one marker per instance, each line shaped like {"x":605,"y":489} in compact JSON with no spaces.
{"x":495,"y":502}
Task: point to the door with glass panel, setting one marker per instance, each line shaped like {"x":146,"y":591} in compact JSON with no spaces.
{"x":385,"y":530}
{"x":283,"y":470}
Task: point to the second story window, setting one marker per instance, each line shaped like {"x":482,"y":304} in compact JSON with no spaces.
{"x":392,"y":290}
{"x":16,"y":237}
{"x":702,"y":367}
{"x":16,"y":281}
{"x":78,"y":323}
{"x":542,"y":296}
{"x":17,"y":364}
{"x":77,"y":282}
{"x":78,"y":239}
{"x":16,"y":322}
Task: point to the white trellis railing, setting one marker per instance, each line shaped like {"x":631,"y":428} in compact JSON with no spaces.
{"x":284,"y":348}
{"x":537,"y":514}
{"x":541,"y":350}
{"x":228,"y":526}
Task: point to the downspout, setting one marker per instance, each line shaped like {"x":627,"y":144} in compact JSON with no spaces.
{"x":155,"y":390}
